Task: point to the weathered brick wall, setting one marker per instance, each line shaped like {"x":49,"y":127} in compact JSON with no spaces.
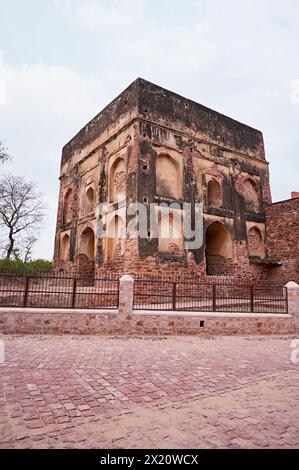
{"x":85,"y":267}
{"x":240,"y":268}
{"x":218,"y":266}
{"x":283,"y":239}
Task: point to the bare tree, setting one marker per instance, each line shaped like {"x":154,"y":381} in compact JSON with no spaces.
{"x":21,"y":209}
{"x":4,"y":156}
{"x":27,"y":246}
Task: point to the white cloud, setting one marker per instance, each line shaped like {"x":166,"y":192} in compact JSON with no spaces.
{"x":2,"y":79}
{"x":294,"y":94}
{"x":52,"y":89}
{"x":95,"y":14}
{"x":2,"y":91}
{"x":65,"y":6}
{"x":92,"y":14}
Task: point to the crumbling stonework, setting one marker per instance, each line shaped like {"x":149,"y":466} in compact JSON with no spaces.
{"x":152,"y":146}
{"x":283,"y":238}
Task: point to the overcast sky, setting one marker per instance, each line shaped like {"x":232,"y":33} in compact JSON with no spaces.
{"x":62,"y":61}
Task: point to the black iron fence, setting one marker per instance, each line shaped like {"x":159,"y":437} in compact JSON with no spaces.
{"x":199,"y":296}
{"x":50,"y":291}
{"x":63,"y":291}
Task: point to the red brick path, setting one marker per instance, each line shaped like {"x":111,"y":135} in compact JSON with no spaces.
{"x":148,"y":392}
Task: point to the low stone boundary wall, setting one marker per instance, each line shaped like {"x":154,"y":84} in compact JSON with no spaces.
{"x":26,"y":321}
{"x":125,"y":321}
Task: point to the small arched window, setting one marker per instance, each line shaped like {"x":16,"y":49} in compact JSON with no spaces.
{"x":117,"y":180}
{"x":114,"y":236}
{"x":67,"y":203}
{"x":65,"y":247}
{"x":170,"y":232}
{"x":87,"y":243}
{"x":218,"y":240}
{"x":214,"y":193}
{"x":218,"y":249}
{"x":251,"y":196}
{"x":255,"y":242}
{"x":168,"y":180}
{"x":89,"y":200}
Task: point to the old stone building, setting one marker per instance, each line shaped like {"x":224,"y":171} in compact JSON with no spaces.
{"x":152,"y":146}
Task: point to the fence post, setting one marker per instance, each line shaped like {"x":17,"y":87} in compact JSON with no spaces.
{"x":74,"y":292}
{"x":26,"y":291}
{"x":252,"y":299}
{"x":174,"y":296}
{"x":214,"y":298}
{"x":293,"y":299}
{"x":126,"y":295}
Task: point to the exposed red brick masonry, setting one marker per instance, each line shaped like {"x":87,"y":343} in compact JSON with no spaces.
{"x":283,"y":238}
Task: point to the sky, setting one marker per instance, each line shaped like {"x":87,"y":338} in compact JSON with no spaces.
{"x":62,"y":61}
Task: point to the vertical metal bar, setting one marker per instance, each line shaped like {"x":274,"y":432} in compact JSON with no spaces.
{"x":26,"y":291}
{"x":39,"y":286}
{"x":174,"y":296}
{"x":214,"y":298}
{"x":252,"y":299}
{"x":286,"y":299}
{"x":74,"y":292}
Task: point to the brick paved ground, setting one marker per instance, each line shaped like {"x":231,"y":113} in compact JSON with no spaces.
{"x":148,"y":392}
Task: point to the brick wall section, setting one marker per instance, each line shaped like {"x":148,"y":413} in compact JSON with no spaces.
{"x":283,"y":239}
{"x":85,"y":267}
{"x":218,"y":266}
{"x":240,"y":269}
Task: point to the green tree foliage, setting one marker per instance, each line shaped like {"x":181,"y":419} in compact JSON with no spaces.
{"x":19,"y":267}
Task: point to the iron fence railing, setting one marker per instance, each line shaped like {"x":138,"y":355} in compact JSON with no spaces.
{"x":199,"y":296}
{"x":63,"y":291}
{"x":50,"y":291}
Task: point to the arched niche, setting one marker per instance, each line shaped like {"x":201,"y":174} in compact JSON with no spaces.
{"x":168,"y":178}
{"x":251,"y":195}
{"x":65,"y":247}
{"x":87,"y":243}
{"x":67,"y":206}
{"x":170,"y":230}
{"x":89,"y":200}
{"x":114,"y":234}
{"x":255,"y":242}
{"x":214,"y":193}
{"x":218,"y":249}
{"x":117,"y":180}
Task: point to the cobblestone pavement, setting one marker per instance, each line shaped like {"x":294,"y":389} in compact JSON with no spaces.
{"x":186,"y":392}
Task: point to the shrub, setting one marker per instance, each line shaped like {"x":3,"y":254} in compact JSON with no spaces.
{"x":17,"y":266}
